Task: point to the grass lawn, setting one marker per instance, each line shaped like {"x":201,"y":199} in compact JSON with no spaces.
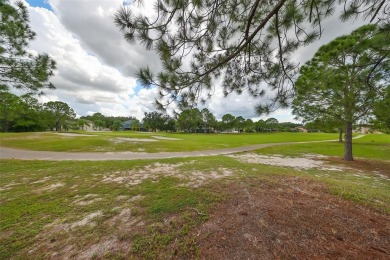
{"x":148,"y":209}
{"x":372,"y":146}
{"x":141,"y":209}
{"x":111,"y":141}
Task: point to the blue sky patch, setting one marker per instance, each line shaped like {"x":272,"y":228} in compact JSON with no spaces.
{"x":39,"y":3}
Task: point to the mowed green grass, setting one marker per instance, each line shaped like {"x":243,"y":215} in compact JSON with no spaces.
{"x":37,"y":196}
{"x":371,"y":146}
{"x":109,"y":142}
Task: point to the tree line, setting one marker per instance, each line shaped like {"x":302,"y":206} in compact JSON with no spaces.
{"x":25,"y":114}
{"x":203,"y":121}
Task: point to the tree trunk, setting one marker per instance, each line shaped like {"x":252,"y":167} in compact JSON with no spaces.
{"x":340,"y":135}
{"x":348,"y":142}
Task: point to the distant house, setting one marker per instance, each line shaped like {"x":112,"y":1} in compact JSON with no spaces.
{"x":365,"y":129}
{"x":133,"y":125}
{"x":301,"y":129}
{"x":90,"y":127}
{"x":362,"y":129}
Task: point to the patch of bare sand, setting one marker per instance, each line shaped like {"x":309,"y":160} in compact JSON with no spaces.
{"x":87,"y":220}
{"x":10,"y":186}
{"x":166,"y":138}
{"x":44,"y":179}
{"x":128,"y":139}
{"x":58,"y":226}
{"x":307,"y":162}
{"x":125,"y":219}
{"x":136,"y":198}
{"x":74,"y":134}
{"x":291,"y":218}
{"x":87,"y":200}
{"x":100,"y":249}
{"x":52,"y":186}
{"x":158,"y":170}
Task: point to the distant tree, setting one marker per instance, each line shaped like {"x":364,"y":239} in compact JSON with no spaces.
{"x":327,"y":124}
{"x":239,"y":123}
{"x":260,"y":126}
{"x":208,"y":120}
{"x":58,"y":113}
{"x":154,"y":121}
{"x":98,"y":121}
{"x":287,"y":127}
{"x":19,"y":68}
{"x":190,"y":120}
{"x":228,"y":121}
{"x":117,"y":125}
{"x":382,"y":113}
{"x":82,"y":123}
{"x":272,"y":124}
{"x":20,"y":114}
{"x":249,"y":126}
{"x":98,"y":124}
{"x":169,"y":124}
{"x":10,"y":105}
{"x":135,"y":124}
{"x":345,"y":79}
{"x":31,"y":115}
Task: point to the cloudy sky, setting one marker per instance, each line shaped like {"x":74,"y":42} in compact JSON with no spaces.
{"x":96,"y":66}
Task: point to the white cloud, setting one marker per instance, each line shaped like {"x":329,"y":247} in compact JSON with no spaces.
{"x":81,"y":78}
{"x":96,"y":66}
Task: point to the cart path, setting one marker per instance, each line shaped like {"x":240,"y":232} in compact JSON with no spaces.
{"x":11,"y":153}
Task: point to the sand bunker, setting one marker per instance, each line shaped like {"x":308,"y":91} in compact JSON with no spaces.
{"x":73,"y":134}
{"x":308,"y":162}
{"x":166,"y":138}
{"x":129,"y":139}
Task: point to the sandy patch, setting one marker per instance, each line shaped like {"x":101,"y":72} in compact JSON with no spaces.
{"x":73,"y":134}
{"x":198,"y":178}
{"x":9,"y":186}
{"x":308,"y":162}
{"x":87,"y":220}
{"x":136,"y":198}
{"x":166,"y":138}
{"x":41,"y":180}
{"x":122,"y":217}
{"x":121,"y":197}
{"x":125,"y":219}
{"x":128,"y":139}
{"x":98,"y":250}
{"x":52,"y":187}
{"x":87,"y":200}
{"x":158,"y":170}
{"x":58,"y":227}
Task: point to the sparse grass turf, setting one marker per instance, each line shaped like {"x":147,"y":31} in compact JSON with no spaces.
{"x":108,"y":142}
{"x":372,"y":146}
{"x":153,"y":208}
{"x":74,"y":208}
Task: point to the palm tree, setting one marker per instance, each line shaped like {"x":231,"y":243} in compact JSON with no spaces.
{"x":82,"y":122}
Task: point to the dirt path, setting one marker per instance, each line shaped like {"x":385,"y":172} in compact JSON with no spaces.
{"x":11,"y":153}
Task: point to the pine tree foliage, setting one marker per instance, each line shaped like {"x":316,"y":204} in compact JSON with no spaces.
{"x":247,"y":43}
{"x":18,"y":68}
{"x":345,"y":79}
